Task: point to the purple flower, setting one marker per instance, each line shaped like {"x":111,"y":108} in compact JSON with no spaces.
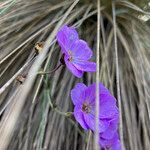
{"x":112,"y":144}
{"x":76,"y":52}
{"x":83,"y":98}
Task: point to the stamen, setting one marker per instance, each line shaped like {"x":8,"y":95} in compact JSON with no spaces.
{"x":86,"y":108}
{"x":70,"y":55}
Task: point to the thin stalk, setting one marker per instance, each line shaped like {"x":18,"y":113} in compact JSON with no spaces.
{"x":117,"y":76}
{"x":97,"y":111}
{"x":49,"y":72}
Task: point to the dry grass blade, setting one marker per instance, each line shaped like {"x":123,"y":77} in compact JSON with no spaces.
{"x":132,"y":6}
{"x":40,"y":107}
{"x":117,"y":76}
{"x":97,"y":110}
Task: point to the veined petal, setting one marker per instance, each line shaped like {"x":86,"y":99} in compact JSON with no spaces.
{"x":103,"y":89}
{"x":81,"y":50}
{"x":90,"y":121}
{"x":85,"y":65}
{"x":108,"y":106}
{"x":106,"y":95}
{"x":78,"y":114}
{"x":90,"y":94}
{"x":66,"y":36}
{"x":113,"y":144}
{"x":116,"y":145}
{"x":77,"y":93}
{"x":111,"y":130}
{"x":73,"y":69}
{"x":107,"y":103}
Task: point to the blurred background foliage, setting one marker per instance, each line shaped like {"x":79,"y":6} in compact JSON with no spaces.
{"x":39,"y":117}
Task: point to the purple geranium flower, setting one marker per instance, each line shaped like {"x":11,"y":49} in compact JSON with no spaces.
{"x":83,"y":98}
{"x":76,"y":52}
{"x":111,"y":144}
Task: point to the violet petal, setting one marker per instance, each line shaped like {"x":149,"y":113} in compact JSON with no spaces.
{"x":78,"y":114}
{"x":77,"y":93}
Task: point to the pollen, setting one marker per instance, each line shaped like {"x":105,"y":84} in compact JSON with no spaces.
{"x":70,"y":55}
{"x":86,"y":108}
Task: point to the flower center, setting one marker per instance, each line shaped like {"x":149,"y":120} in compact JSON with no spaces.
{"x":70,"y":55}
{"x":86,"y":108}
